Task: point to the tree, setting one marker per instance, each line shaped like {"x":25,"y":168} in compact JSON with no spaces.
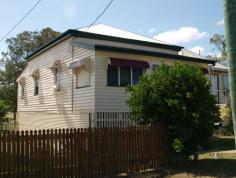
{"x":17,"y":49}
{"x":179,"y":97}
{"x":219,"y":42}
{"x":3,"y":110}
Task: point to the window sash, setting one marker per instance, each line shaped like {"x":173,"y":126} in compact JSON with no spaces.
{"x":136,"y":74}
{"x":82,"y":78}
{"x":57,"y":79}
{"x":125,"y":76}
{"x":36,"y":86}
{"x":56,"y":75}
{"x":22,"y":91}
{"x":113,"y":76}
{"x":119,"y":80}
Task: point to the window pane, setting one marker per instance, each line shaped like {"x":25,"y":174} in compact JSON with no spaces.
{"x":56,"y":76}
{"x":112,"y":76}
{"x":36,"y":86}
{"x":125,"y":76}
{"x":137,"y":73}
{"x":226,"y":82}
{"x":36,"y":90}
{"x":22,"y":91}
{"x":82,"y":78}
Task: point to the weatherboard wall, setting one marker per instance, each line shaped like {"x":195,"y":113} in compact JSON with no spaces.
{"x":66,"y":108}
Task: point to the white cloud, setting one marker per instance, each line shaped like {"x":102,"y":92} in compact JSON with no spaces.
{"x":182,"y":35}
{"x":220,"y":23}
{"x":70,"y":9}
{"x":151,"y":30}
{"x":197,"y":49}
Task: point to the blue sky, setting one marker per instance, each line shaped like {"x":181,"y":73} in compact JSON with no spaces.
{"x":189,"y":23}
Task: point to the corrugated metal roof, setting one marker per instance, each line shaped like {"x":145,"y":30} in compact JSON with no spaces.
{"x":115,"y":32}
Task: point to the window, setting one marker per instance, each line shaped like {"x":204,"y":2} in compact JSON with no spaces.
{"x":36,"y":85}
{"x":22,"y":91}
{"x":226,"y":81}
{"x":136,"y":74}
{"x":125,"y":76}
{"x":56,"y":75}
{"x":112,"y":75}
{"x":122,"y":76}
{"x":82,"y":77}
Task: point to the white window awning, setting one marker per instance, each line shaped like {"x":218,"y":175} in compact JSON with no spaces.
{"x":21,"y":80}
{"x":56,"y":62}
{"x":78,"y":63}
{"x":35,"y":73}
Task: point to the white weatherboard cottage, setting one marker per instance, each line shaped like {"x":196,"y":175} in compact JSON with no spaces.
{"x":85,"y":71}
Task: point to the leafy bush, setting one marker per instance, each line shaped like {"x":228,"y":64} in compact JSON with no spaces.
{"x":227,"y":122}
{"x":3,"y":110}
{"x":178,"y":96}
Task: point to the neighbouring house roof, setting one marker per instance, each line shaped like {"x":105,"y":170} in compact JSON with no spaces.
{"x":219,"y":67}
{"x":186,"y":52}
{"x":104,"y":32}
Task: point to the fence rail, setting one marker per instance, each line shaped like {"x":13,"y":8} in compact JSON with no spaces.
{"x":81,"y":152}
{"x":110,"y":119}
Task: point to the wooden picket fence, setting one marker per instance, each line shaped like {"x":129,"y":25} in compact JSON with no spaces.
{"x":92,"y":152}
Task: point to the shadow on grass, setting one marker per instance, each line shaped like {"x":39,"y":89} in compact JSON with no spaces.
{"x":224,"y":143}
{"x":201,"y":168}
{"x":208,"y":167}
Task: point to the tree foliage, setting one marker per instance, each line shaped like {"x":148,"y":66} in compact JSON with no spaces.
{"x":17,"y":49}
{"x":220,"y":45}
{"x":3,"y":110}
{"x":179,"y":97}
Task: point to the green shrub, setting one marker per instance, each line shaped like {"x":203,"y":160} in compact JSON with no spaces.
{"x":227,"y":122}
{"x":178,"y":96}
{"x":3,"y":110}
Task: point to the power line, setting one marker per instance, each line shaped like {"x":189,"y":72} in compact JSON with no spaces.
{"x":104,"y":10}
{"x":20,"y":21}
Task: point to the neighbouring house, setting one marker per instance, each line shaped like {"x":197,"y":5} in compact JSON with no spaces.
{"x":85,"y":71}
{"x":218,"y":75}
{"x":220,"y":83}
